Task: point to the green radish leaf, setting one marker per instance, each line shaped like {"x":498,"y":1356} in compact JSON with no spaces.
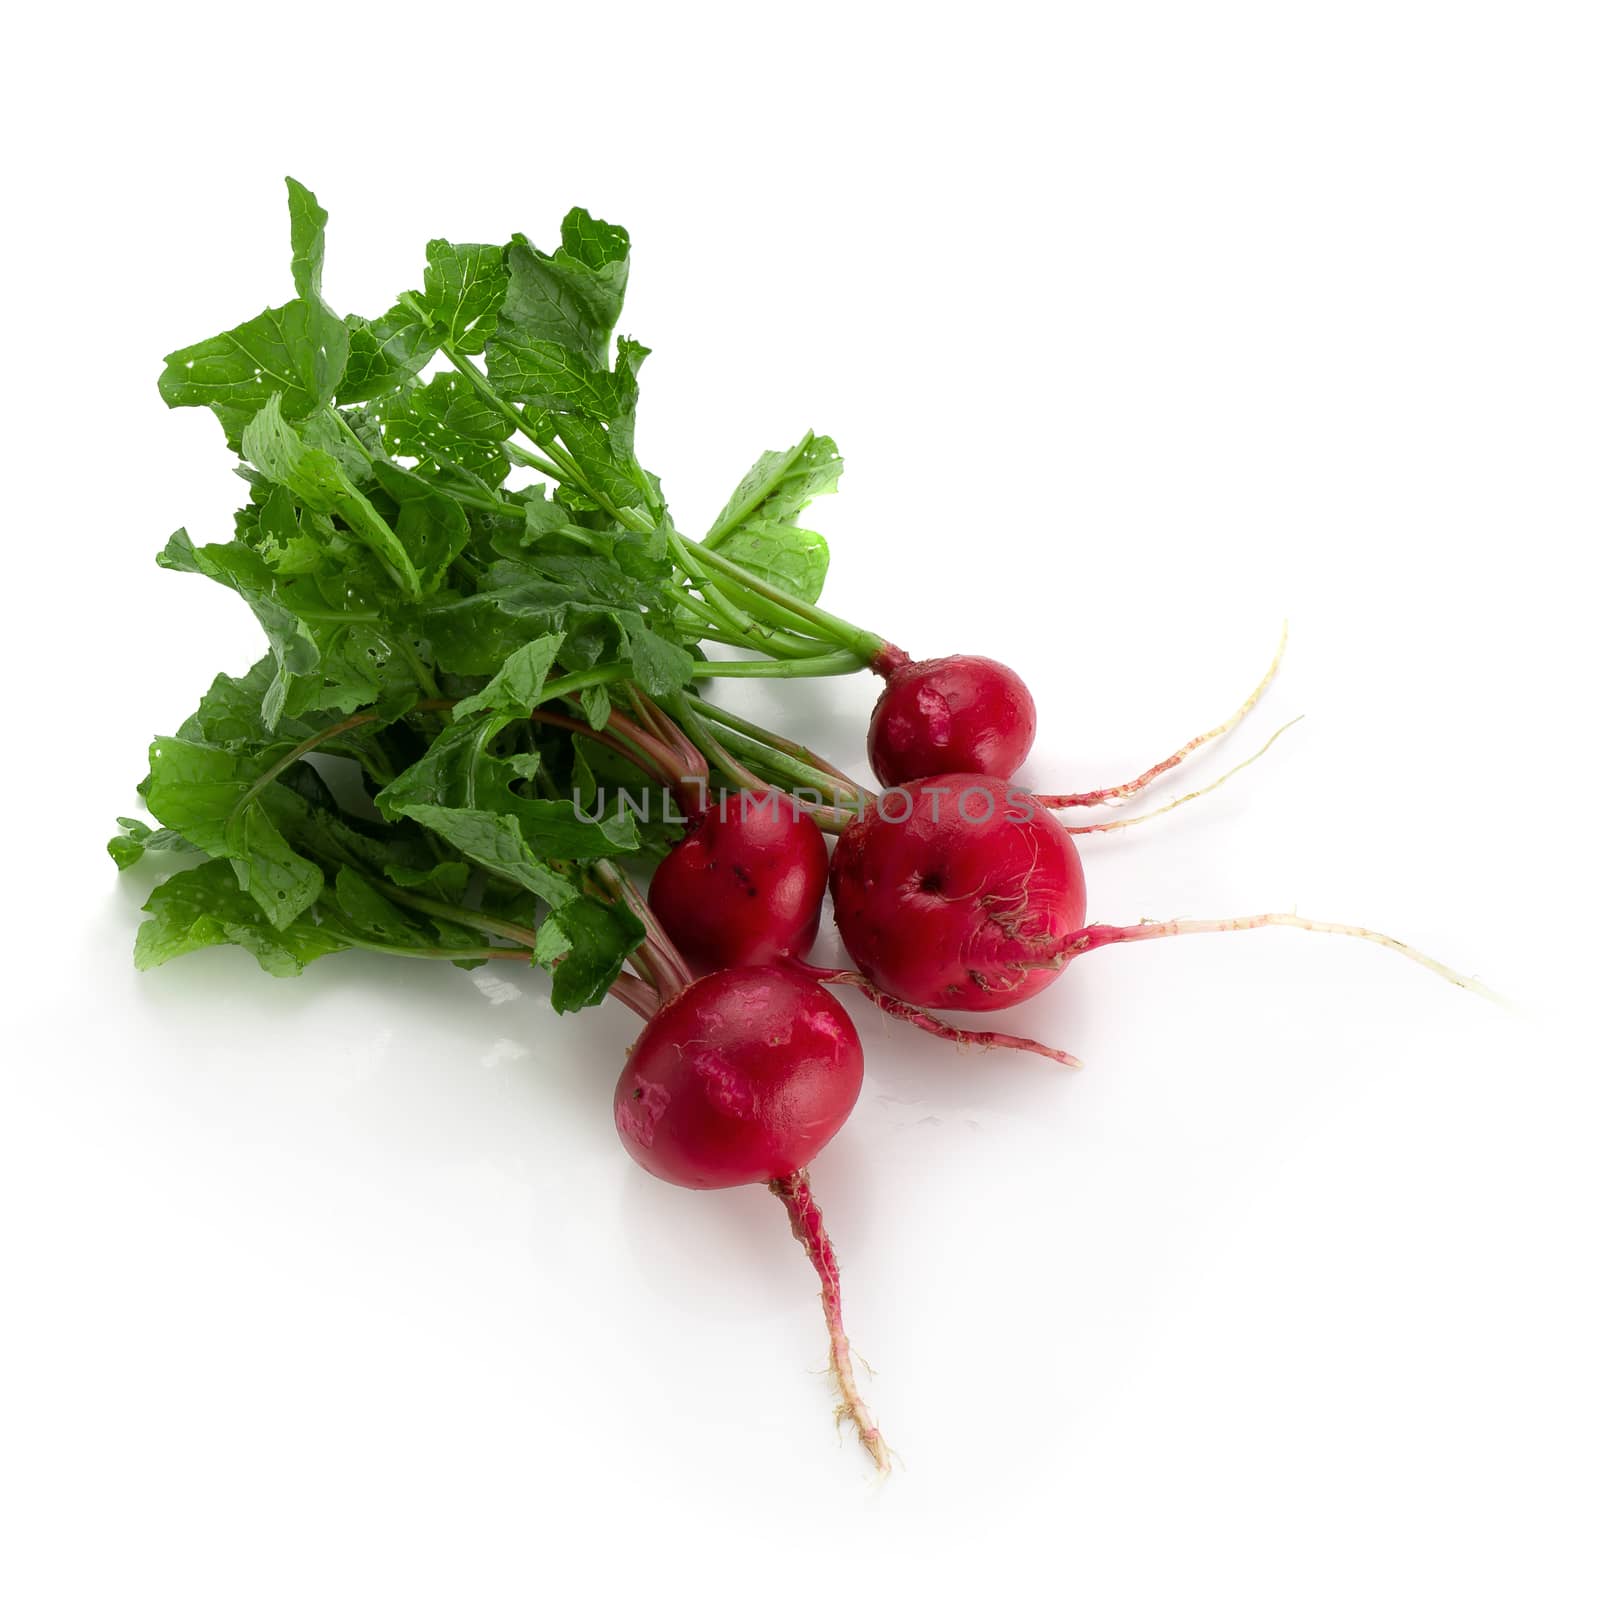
{"x":209,"y":797}
{"x":596,"y":703}
{"x":517,"y":687}
{"x":373,"y":916}
{"x":139,"y":838}
{"x":385,"y":354}
{"x":462,"y":288}
{"x":288,"y":545}
{"x":446,"y":423}
{"x":294,"y":650}
{"x":608,"y":468}
{"x":780,"y":486}
{"x":308,"y":224}
{"x":574,"y":297}
{"x":659,"y":666}
{"x":584,"y":944}
{"x":319,"y":482}
{"x":599,"y":245}
{"x":495,"y":842}
{"x":792,"y":559}
{"x":457,"y":775}
{"x":205,"y":906}
{"x":444,"y":880}
{"x":440,"y":776}
{"x":235,"y":373}
{"x":539,"y":372}
{"x":295,"y":353}
{"x":430,"y":526}
{"x":326,"y":664}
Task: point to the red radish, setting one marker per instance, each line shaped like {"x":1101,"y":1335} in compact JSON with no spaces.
{"x":957,"y":892}
{"x":954,"y":714}
{"x":743,"y":1077}
{"x":963,"y":894}
{"x":744,"y":885}
{"x":971,"y":714}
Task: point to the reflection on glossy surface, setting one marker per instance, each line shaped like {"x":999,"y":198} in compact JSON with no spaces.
{"x":494,"y":987}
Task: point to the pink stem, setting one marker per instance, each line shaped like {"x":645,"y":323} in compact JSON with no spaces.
{"x":645,"y":760}
{"x":667,"y":730}
{"x":684,"y":774}
{"x":657,"y":957}
{"x":805,"y":1218}
{"x":902,"y":1011}
{"x":889,"y":660}
{"x":648,"y":738}
{"x":635,"y":994}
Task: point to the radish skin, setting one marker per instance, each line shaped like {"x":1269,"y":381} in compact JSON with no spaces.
{"x":953,"y":714}
{"x":744,"y":885}
{"x":957,"y":893}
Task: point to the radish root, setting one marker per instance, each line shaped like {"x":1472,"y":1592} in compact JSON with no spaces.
{"x":805,"y":1219}
{"x":1183,"y":799}
{"x":1121,"y":791}
{"x":1100,"y":934}
{"x":902,"y":1011}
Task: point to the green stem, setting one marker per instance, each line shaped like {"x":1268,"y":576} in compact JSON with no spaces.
{"x":736,"y":513}
{"x":836,"y":664}
{"x":784,"y":770}
{"x":839,"y":664}
{"x":338,"y":617}
{"x":721,"y":756}
{"x":833,"y":819}
{"x":754,"y":730}
{"x":696,"y":608}
{"x":310,"y":743}
{"x":780,"y":608}
{"x":478,"y":921}
{"x":710,"y":625}
{"x":349,"y":432}
{"x":419,"y":668}
{"x":722,"y":607}
{"x":488,"y":952}
{"x":493,"y":504}
{"x":773,"y":616}
{"x":867,"y":647}
{"x":527,"y":458}
{"x":754,"y":635}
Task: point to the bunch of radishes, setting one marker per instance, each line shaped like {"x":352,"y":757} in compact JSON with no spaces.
{"x":432,"y":623}
{"x":952,"y":890}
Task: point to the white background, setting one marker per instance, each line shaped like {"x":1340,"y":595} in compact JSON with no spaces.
{"x":1140,"y":328}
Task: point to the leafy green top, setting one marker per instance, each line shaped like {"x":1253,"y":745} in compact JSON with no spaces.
{"x":417,"y":608}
